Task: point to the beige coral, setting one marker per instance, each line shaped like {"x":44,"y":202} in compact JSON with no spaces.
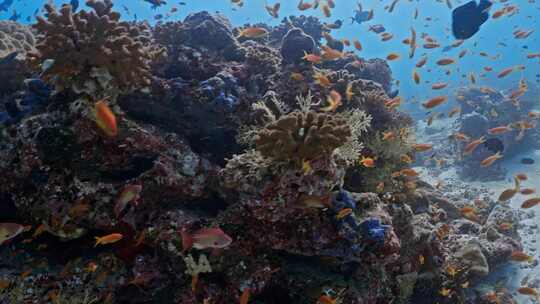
{"x":93,"y":52}
{"x":298,"y":136}
{"x":15,"y":37}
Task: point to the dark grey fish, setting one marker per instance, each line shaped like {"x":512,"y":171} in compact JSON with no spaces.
{"x":156,"y":3}
{"x":467,"y":19}
{"x":8,"y":59}
{"x":5,"y":5}
{"x":74,"y":5}
{"x":377,"y":28}
{"x":527,"y":161}
{"x":15,"y":16}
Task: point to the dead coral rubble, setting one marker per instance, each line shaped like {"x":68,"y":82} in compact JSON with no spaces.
{"x":93,"y":52}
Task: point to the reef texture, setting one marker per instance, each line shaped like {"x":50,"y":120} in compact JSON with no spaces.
{"x":93,"y":52}
{"x":224,"y":137}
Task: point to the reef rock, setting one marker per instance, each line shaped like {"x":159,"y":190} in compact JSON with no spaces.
{"x":295,"y":45}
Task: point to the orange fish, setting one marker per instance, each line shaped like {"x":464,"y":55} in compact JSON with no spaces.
{"x":297,"y":76}
{"x":491,"y":159}
{"x":416,"y":77}
{"x":244,"y":298}
{"x":527,"y":191}
{"x":422,"y":147}
{"x":326,"y":11}
{"x":105,"y":118}
{"x":313,"y":201}
{"x":205,"y":238}
{"x":322,"y":80}
{"x":408,"y":172}
{"x":505,"y":72}
{"x":431,"y":45}
{"x":304,"y":6}
{"x":435,"y":101}
{"x":357,"y":45}
{"x":330,"y":54}
{"x":9,"y":231}
{"x":108,"y":239}
{"x":253,"y":32}
{"x":343,"y":213}
{"x":529,"y":291}
{"x":334,"y":101}
{"x":530,"y":203}
{"x":406,"y":158}
{"x":454,"y":111}
{"x":522,"y":176}
{"x":505,"y":226}
{"x":312,"y":58}
{"x":445,"y":61}
{"x":473,"y":145}
{"x":392,"y":56}
{"x":367,"y":162}
{"x":386,"y":36}
{"x":130,"y":193}
{"x":326,"y":300}
{"x":520,"y":256}
{"x":349,"y":93}
{"x":499,"y":130}
{"x":389,"y":135}
{"x":421,"y":62}
{"x":439,"y":86}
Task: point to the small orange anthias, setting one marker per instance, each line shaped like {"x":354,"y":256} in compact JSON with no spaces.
{"x":105,"y":118}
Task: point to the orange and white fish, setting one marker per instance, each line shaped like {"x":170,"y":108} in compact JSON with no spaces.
{"x":343,"y":213}
{"x":205,"y":238}
{"x":421,"y":62}
{"x":392,"y":56}
{"x":505,"y":72}
{"x":105,"y":118}
{"x":322,"y":80}
{"x":527,"y":191}
{"x":529,"y":291}
{"x":439,"y":85}
{"x":108,"y":239}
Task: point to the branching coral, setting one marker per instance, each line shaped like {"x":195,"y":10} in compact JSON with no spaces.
{"x":303,"y":136}
{"x":15,"y":38}
{"x":93,"y":51}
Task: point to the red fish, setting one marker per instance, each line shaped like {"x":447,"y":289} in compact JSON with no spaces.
{"x":205,"y":238}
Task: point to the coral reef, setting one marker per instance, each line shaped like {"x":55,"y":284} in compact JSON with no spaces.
{"x":93,"y":52}
{"x":224,"y":138}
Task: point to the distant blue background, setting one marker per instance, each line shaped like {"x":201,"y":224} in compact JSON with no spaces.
{"x":398,"y":23}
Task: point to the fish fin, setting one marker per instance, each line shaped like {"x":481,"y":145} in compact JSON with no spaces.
{"x":187,"y":240}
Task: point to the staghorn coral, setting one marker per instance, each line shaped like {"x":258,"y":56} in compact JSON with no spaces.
{"x":93,"y":52}
{"x":302,"y":136}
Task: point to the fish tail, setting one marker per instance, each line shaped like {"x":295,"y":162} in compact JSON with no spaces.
{"x":98,"y":241}
{"x":187,"y":240}
{"x":516,"y":183}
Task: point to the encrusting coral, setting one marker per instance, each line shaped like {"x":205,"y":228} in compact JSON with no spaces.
{"x":93,"y":52}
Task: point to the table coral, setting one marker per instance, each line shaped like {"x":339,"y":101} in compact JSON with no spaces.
{"x":93,"y":52}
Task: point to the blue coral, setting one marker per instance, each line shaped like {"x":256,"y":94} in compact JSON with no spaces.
{"x":374,"y":231}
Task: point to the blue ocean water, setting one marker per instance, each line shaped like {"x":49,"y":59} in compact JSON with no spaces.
{"x":434,"y":18}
